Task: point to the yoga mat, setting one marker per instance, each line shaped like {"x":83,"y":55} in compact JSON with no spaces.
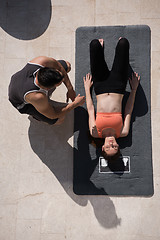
{"x":131,"y":175}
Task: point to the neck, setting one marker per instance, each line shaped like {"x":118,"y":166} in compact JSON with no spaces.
{"x":39,"y":85}
{"x":109,"y":132}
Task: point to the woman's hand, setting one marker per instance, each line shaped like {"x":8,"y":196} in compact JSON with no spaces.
{"x":134,"y":82}
{"x":87,"y":81}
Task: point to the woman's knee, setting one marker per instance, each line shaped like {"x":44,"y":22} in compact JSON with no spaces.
{"x":94,"y":43}
{"x":68,"y":66}
{"x":123,"y":42}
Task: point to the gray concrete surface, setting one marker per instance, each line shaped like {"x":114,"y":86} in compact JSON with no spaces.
{"x":36,"y":197}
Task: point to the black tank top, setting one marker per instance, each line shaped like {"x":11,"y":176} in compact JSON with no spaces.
{"x":22,"y":83}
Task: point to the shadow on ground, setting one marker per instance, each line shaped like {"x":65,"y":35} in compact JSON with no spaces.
{"x":140,"y":109}
{"x":25,"y":19}
{"x":51,"y":145}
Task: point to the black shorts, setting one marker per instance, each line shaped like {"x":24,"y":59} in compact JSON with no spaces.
{"x":30,"y":110}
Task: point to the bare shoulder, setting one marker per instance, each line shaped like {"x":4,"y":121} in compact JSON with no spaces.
{"x":44,"y":61}
{"x":36,"y":97}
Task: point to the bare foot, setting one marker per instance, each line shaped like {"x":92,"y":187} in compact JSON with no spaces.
{"x":101,"y":41}
{"x":120,"y":38}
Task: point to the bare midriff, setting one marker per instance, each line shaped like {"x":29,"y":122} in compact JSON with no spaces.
{"x":109,"y":102}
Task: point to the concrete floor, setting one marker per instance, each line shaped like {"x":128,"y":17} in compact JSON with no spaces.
{"x":36,"y":197}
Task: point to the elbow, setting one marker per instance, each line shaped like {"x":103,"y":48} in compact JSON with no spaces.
{"x":91,"y":133}
{"x":91,"y":110}
{"x":128,"y":112}
{"x":124,"y":134}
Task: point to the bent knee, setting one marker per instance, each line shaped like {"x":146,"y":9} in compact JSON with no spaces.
{"x":94,"y":43}
{"x":123,"y":42}
{"x":68,"y":66}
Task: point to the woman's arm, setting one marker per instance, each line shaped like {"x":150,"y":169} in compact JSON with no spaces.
{"x":90,"y":107}
{"x":134,"y":82}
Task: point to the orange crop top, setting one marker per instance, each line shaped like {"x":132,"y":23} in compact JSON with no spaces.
{"x":109,"y":120}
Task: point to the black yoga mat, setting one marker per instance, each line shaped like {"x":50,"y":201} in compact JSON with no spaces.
{"x":131,"y":175}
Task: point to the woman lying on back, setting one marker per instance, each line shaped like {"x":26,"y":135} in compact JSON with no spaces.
{"x":109,"y":88}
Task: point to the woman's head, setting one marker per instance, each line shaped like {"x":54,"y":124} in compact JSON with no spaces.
{"x":107,"y":153}
{"x":110,"y":149}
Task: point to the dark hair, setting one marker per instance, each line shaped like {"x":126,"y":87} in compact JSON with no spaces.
{"x":98,"y":142}
{"x":113,"y":157}
{"x":48,"y":77}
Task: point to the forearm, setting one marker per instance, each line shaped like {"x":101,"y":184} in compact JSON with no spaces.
{"x":91,"y":113}
{"x":61,"y":112}
{"x":89,"y":102}
{"x":128,"y":113}
{"x":130,"y":103}
{"x":56,"y":112}
{"x":67,"y":81}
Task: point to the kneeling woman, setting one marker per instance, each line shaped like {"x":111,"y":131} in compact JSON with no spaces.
{"x":109,"y":88}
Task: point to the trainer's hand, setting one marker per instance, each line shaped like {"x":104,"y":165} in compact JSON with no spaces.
{"x":134,"y":82}
{"x":87,"y":81}
{"x":71,"y":94}
{"x":79,"y":100}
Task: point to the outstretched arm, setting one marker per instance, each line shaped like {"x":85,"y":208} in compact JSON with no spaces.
{"x":42,"y":105}
{"x":90,"y":107}
{"x":52,"y":63}
{"x":134,"y":82}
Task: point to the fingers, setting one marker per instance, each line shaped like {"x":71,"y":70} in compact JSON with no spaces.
{"x":138,"y":77}
{"x":79,"y":96}
{"x":134,"y":81}
{"x":87,"y":80}
{"x":80,"y":100}
{"x":135,"y":74}
{"x":87,"y":77}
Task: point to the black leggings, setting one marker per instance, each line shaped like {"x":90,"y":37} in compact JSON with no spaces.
{"x":30,"y":110}
{"x":104,"y":80}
